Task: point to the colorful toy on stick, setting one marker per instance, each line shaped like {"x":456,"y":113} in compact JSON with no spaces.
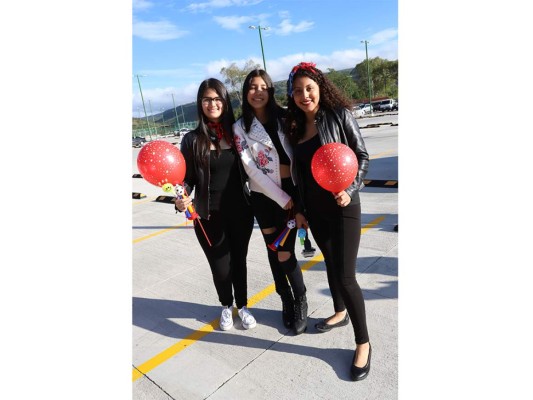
{"x":302,"y":234}
{"x":280,"y":240}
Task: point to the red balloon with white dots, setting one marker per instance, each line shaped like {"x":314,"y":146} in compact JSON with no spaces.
{"x":334,"y":167}
{"x":161,"y":162}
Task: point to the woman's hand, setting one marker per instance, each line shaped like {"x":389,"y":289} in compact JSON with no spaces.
{"x":343,"y":199}
{"x":182,"y":204}
{"x":301,"y":221}
{"x":289,"y":205}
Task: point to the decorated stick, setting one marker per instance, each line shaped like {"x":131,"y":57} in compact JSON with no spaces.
{"x":280,"y":240}
{"x":191,"y":214}
{"x":301,"y":234}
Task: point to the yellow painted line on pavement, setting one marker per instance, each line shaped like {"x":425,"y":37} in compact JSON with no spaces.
{"x":379,"y":155}
{"x":151,"y":235}
{"x":211,"y":326}
{"x":143,"y":201}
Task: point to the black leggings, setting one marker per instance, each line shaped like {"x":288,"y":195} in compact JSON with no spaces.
{"x":269,"y":214}
{"x":229,"y":234}
{"x":338,"y":234}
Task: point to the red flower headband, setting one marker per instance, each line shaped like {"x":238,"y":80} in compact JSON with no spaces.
{"x":308,"y":66}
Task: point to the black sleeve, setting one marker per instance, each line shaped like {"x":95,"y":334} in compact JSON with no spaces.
{"x":356,"y":143}
{"x":187,"y":149}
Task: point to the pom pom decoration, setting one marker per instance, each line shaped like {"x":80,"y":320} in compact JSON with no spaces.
{"x":334,"y":167}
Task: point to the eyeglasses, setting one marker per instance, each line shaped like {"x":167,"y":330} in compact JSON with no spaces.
{"x":207,"y":100}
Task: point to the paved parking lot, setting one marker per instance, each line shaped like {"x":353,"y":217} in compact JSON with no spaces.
{"x":180,"y":353}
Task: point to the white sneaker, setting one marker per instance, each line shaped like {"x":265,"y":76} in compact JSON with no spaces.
{"x":226,"y":318}
{"x":248,"y":320}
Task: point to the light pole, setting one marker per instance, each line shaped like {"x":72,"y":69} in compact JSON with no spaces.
{"x":175,"y":111}
{"x":162,"y":109}
{"x":182,"y":114}
{"x":368,"y":73}
{"x":152,"y":114}
{"x":144,"y":107}
{"x":259,"y":27}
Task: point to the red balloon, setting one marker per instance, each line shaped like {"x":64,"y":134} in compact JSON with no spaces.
{"x":334,"y":167}
{"x":161,"y":162}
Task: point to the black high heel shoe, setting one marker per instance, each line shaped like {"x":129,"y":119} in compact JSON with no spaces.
{"x":358,"y":374}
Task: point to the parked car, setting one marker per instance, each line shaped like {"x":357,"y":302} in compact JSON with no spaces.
{"x":357,"y":112}
{"x":138,"y":141}
{"x":181,"y":132}
{"x":388,"y":105}
{"x":366,"y":108}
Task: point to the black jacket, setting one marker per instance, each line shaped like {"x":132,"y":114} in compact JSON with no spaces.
{"x":340,"y":126}
{"x":197,"y":178}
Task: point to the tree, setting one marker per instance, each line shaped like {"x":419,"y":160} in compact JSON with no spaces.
{"x":234,"y":77}
{"x":344,"y":82}
{"x":383,"y":74}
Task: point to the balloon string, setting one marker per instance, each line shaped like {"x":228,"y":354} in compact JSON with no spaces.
{"x":203,"y":230}
{"x":196,"y":218}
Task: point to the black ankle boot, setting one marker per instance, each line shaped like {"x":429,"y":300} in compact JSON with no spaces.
{"x":300,"y":314}
{"x":287,"y":300}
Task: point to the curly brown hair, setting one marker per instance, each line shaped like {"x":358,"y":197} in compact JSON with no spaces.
{"x":331,"y":98}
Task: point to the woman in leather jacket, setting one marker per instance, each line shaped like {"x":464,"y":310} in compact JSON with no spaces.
{"x":215,"y":173}
{"x":318,"y":114}
{"x":266,"y":155}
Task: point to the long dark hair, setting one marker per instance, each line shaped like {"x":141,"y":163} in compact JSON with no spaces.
{"x":274,"y":110}
{"x":331,"y":98}
{"x":205,"y":134}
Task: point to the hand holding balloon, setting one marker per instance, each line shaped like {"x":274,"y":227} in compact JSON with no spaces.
{"x":184,"y":203}
{"x":343,"y":198}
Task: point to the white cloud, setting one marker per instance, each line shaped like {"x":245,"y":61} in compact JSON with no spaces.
{"x":233,"y":22}
{"x":278,"y":69}
{"x":220,"y":4}
{"x":141,"y":5}
{"x":157,"y":31}
{"x":384,"y":36}
{"x":286,"y":27}
{"x":162,"y":98}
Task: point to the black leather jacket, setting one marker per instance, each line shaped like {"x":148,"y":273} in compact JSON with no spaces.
{"x":197,"y":178}
{"x":340,"y":126}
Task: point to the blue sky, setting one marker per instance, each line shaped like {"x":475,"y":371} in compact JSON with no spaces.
{"x":177,"y":44}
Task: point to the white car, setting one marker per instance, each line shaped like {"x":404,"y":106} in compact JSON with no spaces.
{"x":361,"y":109}
{"x":357,"y":112}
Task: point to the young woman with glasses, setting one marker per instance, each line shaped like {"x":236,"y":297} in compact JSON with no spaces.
{"x":215,"y":173}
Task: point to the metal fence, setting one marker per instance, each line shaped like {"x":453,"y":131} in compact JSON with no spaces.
{"x":161,"y":131}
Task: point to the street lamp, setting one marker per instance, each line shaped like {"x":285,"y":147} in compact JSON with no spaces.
{"x":182,"y":114}
{"x":152,"y":114}
{"x":368,"y":73}
{"x":175,"y":111}
{"x":162,"y":109}
{"x":259,"y":27}
{"x":144,"y":107}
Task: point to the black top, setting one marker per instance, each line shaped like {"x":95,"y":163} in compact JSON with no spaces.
{"x":225,"y":185}
{"x":272,"y":130}
{"x":314,"y":196}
